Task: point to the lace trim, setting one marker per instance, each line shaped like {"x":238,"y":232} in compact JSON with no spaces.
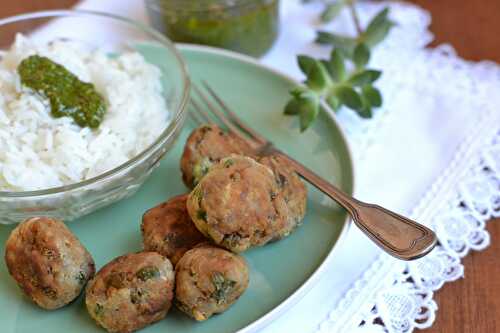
{"x":394,"y":296}
{"x":401,"y":294}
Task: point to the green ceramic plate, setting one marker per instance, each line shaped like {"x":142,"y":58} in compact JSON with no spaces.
{"x":281,"y":272}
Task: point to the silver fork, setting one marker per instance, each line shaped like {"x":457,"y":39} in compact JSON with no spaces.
{"x":397,"y":235}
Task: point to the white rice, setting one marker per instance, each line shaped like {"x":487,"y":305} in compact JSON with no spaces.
{"x":38,"y":151}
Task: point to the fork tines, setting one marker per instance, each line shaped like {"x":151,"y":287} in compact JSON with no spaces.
{"x":223,"y":115}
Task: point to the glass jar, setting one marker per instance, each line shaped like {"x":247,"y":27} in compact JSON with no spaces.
{"x":246,"y":26}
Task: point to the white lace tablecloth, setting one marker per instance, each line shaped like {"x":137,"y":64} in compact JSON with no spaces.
{"x":432,"y":152}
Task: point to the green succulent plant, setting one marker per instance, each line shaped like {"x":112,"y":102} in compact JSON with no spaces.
{"x":344,"y":79}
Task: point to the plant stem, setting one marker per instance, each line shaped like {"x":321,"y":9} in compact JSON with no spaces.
{"x":355,"y":18}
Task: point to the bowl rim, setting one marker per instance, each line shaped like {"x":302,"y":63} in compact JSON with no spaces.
{"x":176,"y":121}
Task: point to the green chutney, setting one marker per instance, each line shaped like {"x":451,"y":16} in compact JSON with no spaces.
{"x":246,"y":26}
{"x":68,"y":96}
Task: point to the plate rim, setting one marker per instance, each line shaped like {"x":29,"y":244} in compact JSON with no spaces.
{"x":312,"y":280}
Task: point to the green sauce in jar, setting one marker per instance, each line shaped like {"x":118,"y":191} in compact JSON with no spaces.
{"x":246,"y":26}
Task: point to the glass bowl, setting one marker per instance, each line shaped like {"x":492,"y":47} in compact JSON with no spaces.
{"x":246,"y":26}
{"x":113,"y":34}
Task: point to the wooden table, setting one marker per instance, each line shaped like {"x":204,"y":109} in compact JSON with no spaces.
{"x":473,"y":28}
{"x":470,"y":305}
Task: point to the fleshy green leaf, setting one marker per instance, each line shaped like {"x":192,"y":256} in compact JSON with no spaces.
{"x":308,"y":116}
{"x":332,"y":11}
{"x":335,"y":81}
{"x":361,"y":55}
{"x":375,"y":74}
{"x":337,"y":66}
{"x":317,"y":78}
{"x":306,"y":107}
{"x":378,"y":19}
{"x":348,"y":96}
{"x":297,"y":105}
{"x":366,"y":112}
{"x":378,"y":29}
{"x":333,"y":102}
{"x":360,"y":79}
{"x":326,"y":64}
{"x":372,"y":95}
{"x":376,"y":36}
{"x":305,"y":63}
{"x":297,"y":91}
{"x":364,"y":77}
{"x":292,"y":107}
{"x":345,"y":44}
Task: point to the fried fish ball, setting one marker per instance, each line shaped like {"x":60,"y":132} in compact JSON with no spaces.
{"x":208,"y":281}
{"x":237,"y":204}
{"x":48,"y":262}
{"x":168,"y":229}
{"x":131,"y":292}
{"x":291,"y":188}
{"x":207,"y":145}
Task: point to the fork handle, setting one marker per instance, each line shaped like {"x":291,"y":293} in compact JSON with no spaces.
{"x":397,"y":235}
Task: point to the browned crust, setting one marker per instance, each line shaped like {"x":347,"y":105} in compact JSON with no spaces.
{"x":211,"y":143}
{"x":48,"y":262}
{"x":291,"y":188}
{"x":121,"y":298}
{"x":196,"y":293}
{"x":168,"y":229}
{"x":236,"y":204}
